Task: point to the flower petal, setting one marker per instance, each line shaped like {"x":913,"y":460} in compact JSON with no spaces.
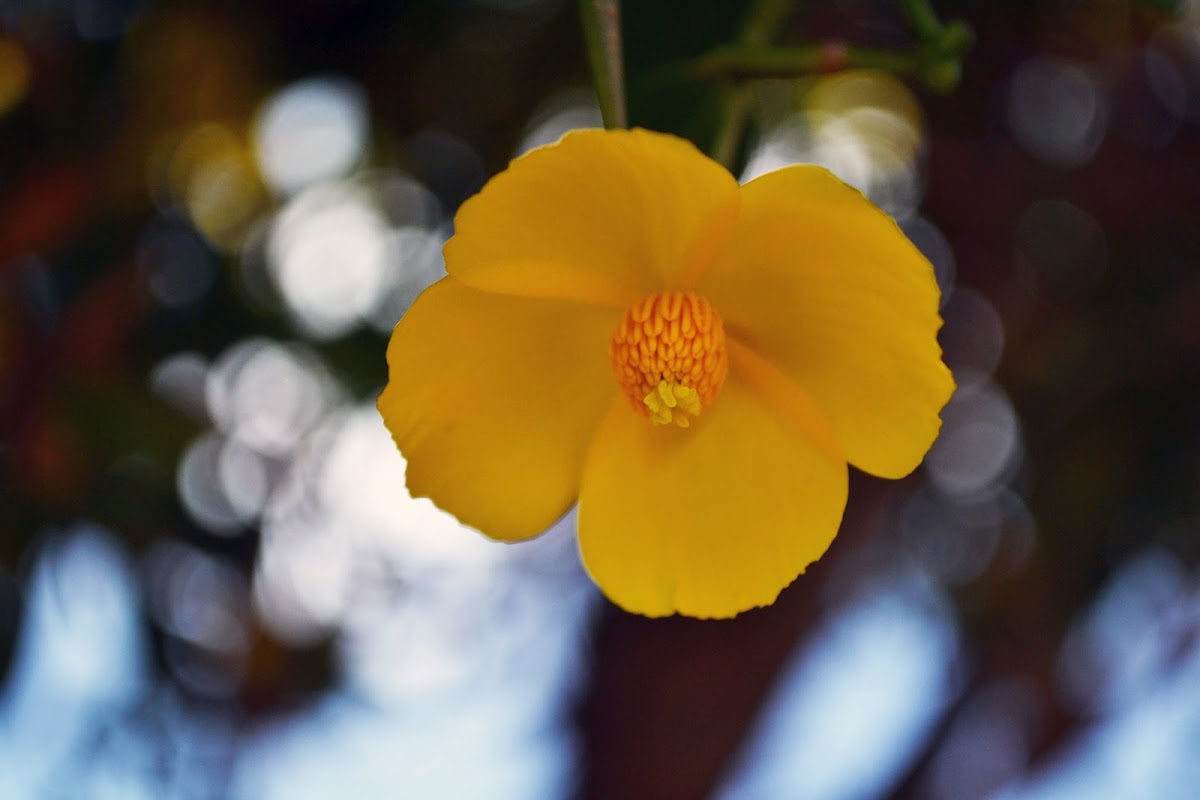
{"x":718,"y":518}
{"x":824,"y":285}
{"x":602,"y":216}
{"x":494,"y":399}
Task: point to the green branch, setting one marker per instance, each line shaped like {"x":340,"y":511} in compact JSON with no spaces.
{"x":923,"y":19}
{"x":936,"y":61}
{"x":935,"y":67}
{"x":764,"y":20}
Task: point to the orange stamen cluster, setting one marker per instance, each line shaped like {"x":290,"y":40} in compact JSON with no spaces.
{"x":668,"y":353}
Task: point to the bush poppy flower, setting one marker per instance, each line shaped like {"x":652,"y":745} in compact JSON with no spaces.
{"x":692,"y":360}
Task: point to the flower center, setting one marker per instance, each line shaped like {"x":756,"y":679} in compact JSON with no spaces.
{"x":668,"y":353}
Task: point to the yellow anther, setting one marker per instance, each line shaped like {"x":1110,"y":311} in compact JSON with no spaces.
{"x":672,"y":402}
{"x":664,"y":390}
{"x":668,"y":355}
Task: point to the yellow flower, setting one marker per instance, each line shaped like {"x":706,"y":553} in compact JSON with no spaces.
{"x":694,"y":361}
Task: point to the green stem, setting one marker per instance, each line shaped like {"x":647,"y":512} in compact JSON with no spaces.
{"x":602,"y":31}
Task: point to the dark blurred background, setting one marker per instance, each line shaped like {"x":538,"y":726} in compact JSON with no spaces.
{"x":213,"y":584}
